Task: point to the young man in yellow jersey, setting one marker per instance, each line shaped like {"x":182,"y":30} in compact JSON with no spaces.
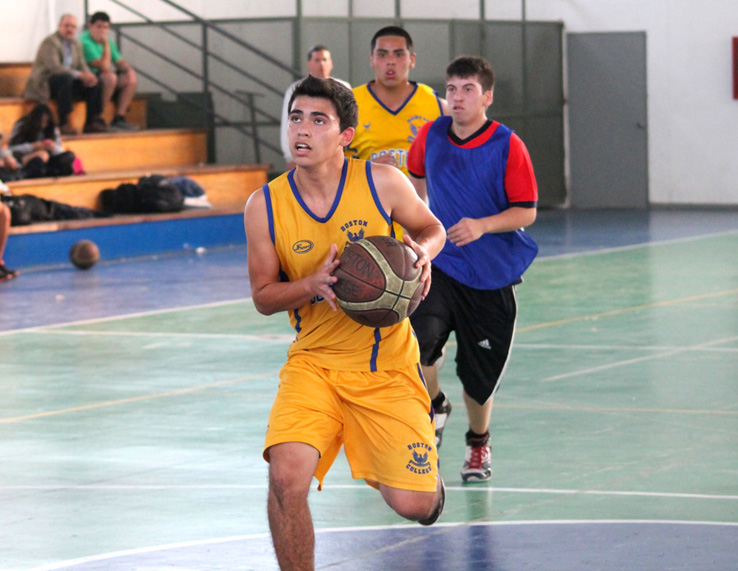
{"x":392,"y":109}
{"x":343,"y":383}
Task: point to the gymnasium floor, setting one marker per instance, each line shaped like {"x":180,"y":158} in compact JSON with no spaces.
{"x":135,"y":397}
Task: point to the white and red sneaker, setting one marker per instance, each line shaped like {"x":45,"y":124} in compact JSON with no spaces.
{"x":477,"y":464}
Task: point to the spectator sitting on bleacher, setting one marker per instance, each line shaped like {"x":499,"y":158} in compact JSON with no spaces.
{"x":36,"y":144}
{"x":5,"y":272}
{"x":60,"y":72}
{"x":115,"y":73}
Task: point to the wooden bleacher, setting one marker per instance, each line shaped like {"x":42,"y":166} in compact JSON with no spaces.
{"x":110,"y":159}
{"x":13,"y":77}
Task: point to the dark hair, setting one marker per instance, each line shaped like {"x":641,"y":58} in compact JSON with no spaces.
{"x":99,"y":17}
{"x":30,"y":129}
{"x":472,"y":66}
{"x":316,"y":48}
{"x":337,"y":93}
{"x":392,"y":31}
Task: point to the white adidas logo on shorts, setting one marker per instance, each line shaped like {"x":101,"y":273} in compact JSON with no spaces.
{"x":484,"y":344}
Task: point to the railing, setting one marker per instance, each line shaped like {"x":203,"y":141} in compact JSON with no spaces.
{"x":248,"y":99}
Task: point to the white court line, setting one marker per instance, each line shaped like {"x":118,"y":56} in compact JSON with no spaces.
{"x":484,"y":490}
{"x":637,"y":246}
{"x":629,"y":348}
{"x":151,"y":549}
{"x":358,"y":529}
{"x":281,"y":337}
{"x":129,"y":315}
{"x":626,"y":362}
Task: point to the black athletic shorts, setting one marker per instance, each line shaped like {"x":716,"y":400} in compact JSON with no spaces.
{"x":484,"y":322}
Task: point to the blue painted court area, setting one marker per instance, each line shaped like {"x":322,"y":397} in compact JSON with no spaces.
{"x":135,"y":397}
{"x":553,"y":546}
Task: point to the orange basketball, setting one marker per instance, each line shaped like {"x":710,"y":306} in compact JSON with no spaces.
{"x":378,"y":284}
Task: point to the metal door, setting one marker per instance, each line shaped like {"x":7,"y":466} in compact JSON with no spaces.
{"x":608,"y":136}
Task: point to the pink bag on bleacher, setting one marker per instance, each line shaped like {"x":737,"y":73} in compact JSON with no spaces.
{"x":77,"y":167}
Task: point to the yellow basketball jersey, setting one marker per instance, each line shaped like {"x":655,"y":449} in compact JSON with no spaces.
{"x":331,"y":339}
{"x":382,"y":131}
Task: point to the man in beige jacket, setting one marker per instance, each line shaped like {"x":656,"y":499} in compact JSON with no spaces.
{"x":60,"y":73}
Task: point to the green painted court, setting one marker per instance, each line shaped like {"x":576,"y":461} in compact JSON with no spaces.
{"x":135,"y":397}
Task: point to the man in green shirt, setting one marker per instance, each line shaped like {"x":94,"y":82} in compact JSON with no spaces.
{"x":114,"y":72}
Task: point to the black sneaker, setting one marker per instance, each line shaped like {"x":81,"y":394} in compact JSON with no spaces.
{"x":441,"y":414}
{"x":433,"y":518}
{"x":120,"y":124}
{"x":6,"y":273}
{"x":96,"y":126}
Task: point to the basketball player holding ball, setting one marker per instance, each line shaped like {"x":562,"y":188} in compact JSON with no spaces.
{"x":478,"y":179}
{"x":343,"y":383}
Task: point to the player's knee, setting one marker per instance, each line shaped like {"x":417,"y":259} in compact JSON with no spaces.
{"x":285,"y":484}
{"x":291,"y":469}
{"x":414,"y":506}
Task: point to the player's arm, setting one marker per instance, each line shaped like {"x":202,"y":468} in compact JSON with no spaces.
{"x":270,"y":295}
{"x":467,"y":230}
{"x":424,"y":233}
{"x":385,"y":159}
{"x":522,"y":194}
{"x":420,"y":187}
{"x":416,"y":162}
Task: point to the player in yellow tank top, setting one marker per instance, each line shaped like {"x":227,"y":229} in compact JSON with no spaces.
{"x":343,"y":384}
{"x":382,"y":130}
{"x":331,"y":339}
{"x":392,"y":109}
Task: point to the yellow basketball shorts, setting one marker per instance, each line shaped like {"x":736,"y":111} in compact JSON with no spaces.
{"x":382,"y":419}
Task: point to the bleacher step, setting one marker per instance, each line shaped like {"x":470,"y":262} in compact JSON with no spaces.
{"x":151,"y":149}
{"x":13,"y":78}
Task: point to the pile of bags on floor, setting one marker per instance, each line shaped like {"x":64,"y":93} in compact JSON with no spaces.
{"x":154,"y":194}
{"x":27,"y":209}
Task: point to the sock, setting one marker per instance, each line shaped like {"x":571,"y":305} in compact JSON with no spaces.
{"x":118,"y":118}
{"x":474,"y":439}
{"x":438,"y":401}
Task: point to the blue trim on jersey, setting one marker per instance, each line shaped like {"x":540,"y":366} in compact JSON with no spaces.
{"x":431,"y":411}
{"x":270,"y":213}
{"x":375,"y":350}
{"x":336,"y":201}
{"x":298,"y":320}
{"x":387,"y":109}
{"x":375,"y":196}
{"x":440,"y":107}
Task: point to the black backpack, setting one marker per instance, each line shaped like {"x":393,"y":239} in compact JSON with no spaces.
{"x":152,"y":194}
{"x":26,"y":209}
{"x":157,"y":194}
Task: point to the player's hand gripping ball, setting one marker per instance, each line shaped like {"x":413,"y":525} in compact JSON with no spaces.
{"x":378,"y":284}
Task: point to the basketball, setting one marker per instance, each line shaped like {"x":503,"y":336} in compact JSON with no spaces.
{"x":84,"y":254}
{"x":378,"y":284}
